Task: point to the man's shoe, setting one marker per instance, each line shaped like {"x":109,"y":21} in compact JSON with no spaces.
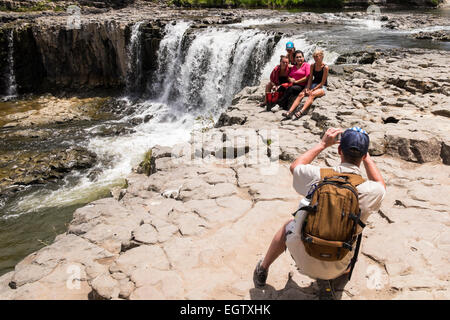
{"x":259,"y":275}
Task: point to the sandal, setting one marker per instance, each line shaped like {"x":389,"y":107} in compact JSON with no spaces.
{"x":287,"y":115}
{"x":299,"y":114}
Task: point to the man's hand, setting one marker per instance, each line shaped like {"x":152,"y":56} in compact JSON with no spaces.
{"x":291,"y":80}
{"x":330,"y":137}
{"x":372,"y":171}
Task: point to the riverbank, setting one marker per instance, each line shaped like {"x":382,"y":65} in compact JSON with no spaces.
{"x":160,"y":237}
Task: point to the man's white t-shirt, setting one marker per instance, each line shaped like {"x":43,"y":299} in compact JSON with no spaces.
{"x":371,"y":194}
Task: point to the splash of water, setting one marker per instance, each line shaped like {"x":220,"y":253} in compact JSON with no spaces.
{"x":11,"y":77}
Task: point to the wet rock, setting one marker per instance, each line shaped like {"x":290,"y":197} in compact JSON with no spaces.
{"x":148,"y":117}
{"x":136,"y":121}
{"x":116,"y":130}
{"x":33,"y":167}
{"x":435,"y":35}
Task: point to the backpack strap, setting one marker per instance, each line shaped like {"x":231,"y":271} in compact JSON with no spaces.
{"x":355,"y":256}
{"x":353,"y":178}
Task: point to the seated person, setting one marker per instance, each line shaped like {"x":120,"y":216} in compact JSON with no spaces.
{"x":298,"y":78}
{"x":316,"y":86}
{"x":278,"y":76}
{"x":290,"y":48}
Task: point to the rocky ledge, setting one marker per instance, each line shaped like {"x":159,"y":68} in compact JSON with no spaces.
{"x":436,"y":35}
{"x":210,"y":211}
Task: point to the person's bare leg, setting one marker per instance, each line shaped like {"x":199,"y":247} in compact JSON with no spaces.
{"x":296,"y":102}
{"x":277,"y":247}
{"x":310,"y":100}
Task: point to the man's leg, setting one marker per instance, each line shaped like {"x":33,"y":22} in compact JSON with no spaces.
{"x":277,"y":246}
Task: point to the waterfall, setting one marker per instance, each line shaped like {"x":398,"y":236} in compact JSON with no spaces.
{"x":11,"y":77}
{"x":169,"y":53}
{"x":203,"y":69}
{"x":134,"y":50}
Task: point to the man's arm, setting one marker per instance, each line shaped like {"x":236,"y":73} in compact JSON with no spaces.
{"x":372,"y":171}
{"x":328,"y":139}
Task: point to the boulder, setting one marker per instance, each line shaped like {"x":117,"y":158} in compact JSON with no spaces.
{"x":423,"y":148}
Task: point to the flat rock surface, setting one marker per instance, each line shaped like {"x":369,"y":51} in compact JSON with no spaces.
{"x":196,"y":229}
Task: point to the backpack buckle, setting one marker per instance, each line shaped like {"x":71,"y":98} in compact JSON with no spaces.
{"x":306,"y":239}
{"x":347,"y":246}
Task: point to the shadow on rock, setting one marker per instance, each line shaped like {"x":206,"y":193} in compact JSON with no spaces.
{"x":292,"y":291}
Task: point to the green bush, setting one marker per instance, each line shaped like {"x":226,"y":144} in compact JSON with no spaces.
{"x":39,"y":6}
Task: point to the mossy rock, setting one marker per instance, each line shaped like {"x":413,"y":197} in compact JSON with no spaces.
{"x":148,"y":165}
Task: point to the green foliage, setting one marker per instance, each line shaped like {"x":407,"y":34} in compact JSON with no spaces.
{"x":39,"y":6}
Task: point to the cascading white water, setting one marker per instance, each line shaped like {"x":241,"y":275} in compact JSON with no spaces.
{"x":217,"y":64}
{"x":169,"y":55}
{"x":11,"y":77}
{"x":134,"y":75}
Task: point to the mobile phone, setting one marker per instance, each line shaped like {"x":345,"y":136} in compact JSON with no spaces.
{"x":338,"y":137}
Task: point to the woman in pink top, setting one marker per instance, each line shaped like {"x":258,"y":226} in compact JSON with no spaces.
{"x":298,"y":77}
{"x":278,"y":76}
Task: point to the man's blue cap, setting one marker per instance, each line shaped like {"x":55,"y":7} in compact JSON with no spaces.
{"x":289,"y":45}
{"x":355,"y":142}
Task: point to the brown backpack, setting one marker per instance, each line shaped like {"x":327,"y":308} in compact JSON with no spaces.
{"x":330,"y":226}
